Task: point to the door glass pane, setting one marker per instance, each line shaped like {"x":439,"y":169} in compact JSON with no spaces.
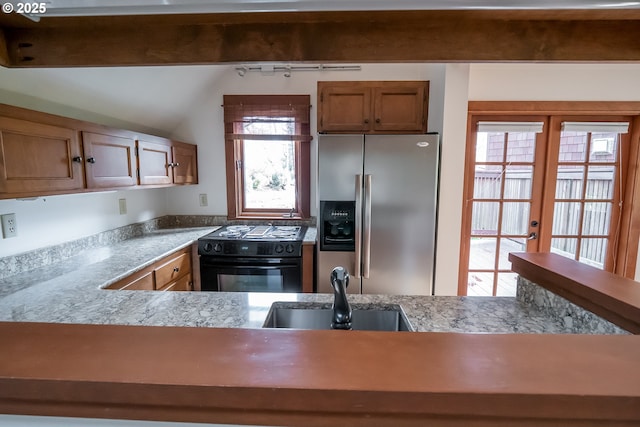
{"x":485,"y":218}
{"x":566,"y":217}
{"x":593,"y":252}
{"x":507,"y":285}
{"x":604,"y":147}
{"x":482,"y":253}
{"x":600,"y":182}
{"x":521,"y":146}
{"x":597,"y":217}
{"x":507,"y":246}
{"x":487,"y":182}
{"x":573,"y":146}
{"x":517,"y":182}
{"x":565,"y":247}
{"x":480,"y":284}
{"x":515,"y":218}
{"x":569,"y":182}
{"x":489,"y":147}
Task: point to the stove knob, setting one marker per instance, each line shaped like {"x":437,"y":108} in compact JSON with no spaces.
{"x":217,"y":247}
{"x":279,"y":249}
{"x":290,"y":248}
{"x":207,"y":247}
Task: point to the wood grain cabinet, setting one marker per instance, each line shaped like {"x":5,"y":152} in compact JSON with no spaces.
{"x":37,"y":157}
{"x":43,"y":154}
{"x":163,"y":162}
{"x":373,"y":107}
{"x":172,"y":273}
{"x":109,"y":160}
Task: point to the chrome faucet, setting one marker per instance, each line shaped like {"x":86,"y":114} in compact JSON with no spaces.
{"x":341,"y":309}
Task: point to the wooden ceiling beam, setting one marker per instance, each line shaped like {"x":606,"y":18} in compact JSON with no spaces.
{"x":399,"y":36}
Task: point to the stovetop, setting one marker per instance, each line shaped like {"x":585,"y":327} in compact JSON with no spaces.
{"x":257,"y":232}
{"x":253,"y":241}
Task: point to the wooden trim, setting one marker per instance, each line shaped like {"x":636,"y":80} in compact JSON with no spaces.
{"x":248,"y":376}
{"x":549,"y":108}
{"x":612,"y":297}
{"x":4,"y":53}
{"x":308,"y":252}
{"x":339,"y":36}
{"x":630,"y":222}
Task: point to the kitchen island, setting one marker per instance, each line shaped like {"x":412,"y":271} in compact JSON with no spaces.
{"x":71,"y":348}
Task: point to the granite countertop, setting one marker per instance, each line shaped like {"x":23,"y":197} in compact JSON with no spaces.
{"x":71,"y":292}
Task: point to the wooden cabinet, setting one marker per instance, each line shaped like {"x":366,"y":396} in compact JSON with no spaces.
{"x":185,"y":163}
{"x":163,"y":162}
{"x":37,"y":157}
{"x":172,"y":273}
{"x":373,"y":107}
{"x":109,"y":160}
{"x":43,"y":154}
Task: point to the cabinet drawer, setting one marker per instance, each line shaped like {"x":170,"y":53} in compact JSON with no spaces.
{"x":173,"y":270}
{"x":144,"y":283}
{"x":182,"y":284}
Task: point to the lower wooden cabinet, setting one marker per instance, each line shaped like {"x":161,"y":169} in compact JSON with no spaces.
{"x":172,"y":273}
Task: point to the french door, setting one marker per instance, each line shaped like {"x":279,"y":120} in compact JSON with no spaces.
{"x":539,"y":183}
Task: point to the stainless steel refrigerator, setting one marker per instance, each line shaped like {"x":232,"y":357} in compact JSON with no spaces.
{"x":377,"y":211}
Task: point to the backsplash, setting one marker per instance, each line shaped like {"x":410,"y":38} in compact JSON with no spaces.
{"x":575,"y":318}
{"x":41,"y":257}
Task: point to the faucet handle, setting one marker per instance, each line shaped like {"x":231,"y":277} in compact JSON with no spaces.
{"x":340,"y":278}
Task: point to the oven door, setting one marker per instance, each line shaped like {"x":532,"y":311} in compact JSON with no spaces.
{"x":251,"y":274}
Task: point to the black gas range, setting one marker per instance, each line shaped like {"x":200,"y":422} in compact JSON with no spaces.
{"x":252,"y":258}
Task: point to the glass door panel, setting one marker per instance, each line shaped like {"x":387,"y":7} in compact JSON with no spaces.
{"x":501,"y":208}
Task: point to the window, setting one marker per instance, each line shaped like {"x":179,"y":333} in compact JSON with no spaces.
{"x":267,"y":155}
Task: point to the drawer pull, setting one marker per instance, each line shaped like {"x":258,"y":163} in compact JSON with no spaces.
{"x":176,"y":269}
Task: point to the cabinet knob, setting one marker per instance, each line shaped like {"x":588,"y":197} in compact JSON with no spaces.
{"x":377,"y":120}
{"x":176,"y":269}
{"x":91,"y":160}
{"x":77,"y":159}
{"x":366,"y":121}
{"x":176,"y":164}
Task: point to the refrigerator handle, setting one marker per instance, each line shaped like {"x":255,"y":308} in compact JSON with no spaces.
{"x":358,"y":229}
{"x":366,"y":240}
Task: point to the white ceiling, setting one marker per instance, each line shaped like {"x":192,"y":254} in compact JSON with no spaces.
{"x":132,"y":7}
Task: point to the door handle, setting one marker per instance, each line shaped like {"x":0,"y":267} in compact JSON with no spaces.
{"x":532,"y":236}
{"x":357,"y":271}
{"x":366,"y":241}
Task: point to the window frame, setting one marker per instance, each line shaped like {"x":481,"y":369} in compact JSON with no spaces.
{"x":269,"y":105}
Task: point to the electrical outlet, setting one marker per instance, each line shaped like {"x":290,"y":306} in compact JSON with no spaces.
{"x":203,"y":200}
{"x":9,"y":225}
{"x":123,"y":206}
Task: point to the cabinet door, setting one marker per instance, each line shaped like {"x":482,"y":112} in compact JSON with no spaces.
{"x":344,"y":108}
{"x":182,"y":284}
{"x":185,"y":164}
{"x":400,"y":108}
{"x":173,"y":269}
{"x":109,"y":160}
{"x":154,"y":159}
{"x":38,"y":158}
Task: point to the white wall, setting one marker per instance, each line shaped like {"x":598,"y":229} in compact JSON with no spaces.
{"x":55,"y":219}
{"x":204,"y":126}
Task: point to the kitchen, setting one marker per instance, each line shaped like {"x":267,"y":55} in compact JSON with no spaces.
{"x":68,"y":217}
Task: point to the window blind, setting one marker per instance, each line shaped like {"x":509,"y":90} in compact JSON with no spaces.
{"x":606,"y":127}
{"x":535,"y":127}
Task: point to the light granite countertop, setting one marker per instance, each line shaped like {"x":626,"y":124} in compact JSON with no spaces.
{"x":71,"y":292}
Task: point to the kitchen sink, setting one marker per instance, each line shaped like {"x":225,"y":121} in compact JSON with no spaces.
{"x":365,"y":317}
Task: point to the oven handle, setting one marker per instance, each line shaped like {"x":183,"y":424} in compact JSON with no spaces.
{"x":250,"y":262}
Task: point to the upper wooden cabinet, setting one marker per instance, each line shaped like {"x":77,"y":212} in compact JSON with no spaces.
{"x":373,"y":107}
{"x":43,"y":154}
{"x":164,"y":162}
{"x":185,"y":163}
{"x":109,"y":160}
{"x":36,"y":157}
